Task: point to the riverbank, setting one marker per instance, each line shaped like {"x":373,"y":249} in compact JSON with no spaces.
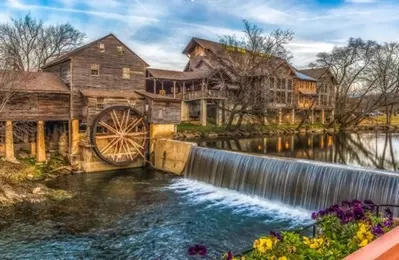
{"x":24,"y":180}
{"x":189,"y":131}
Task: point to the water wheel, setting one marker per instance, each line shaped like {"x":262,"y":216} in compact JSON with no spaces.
{"x":119,"y":135}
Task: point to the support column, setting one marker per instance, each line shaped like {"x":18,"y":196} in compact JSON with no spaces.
{"x":74,"y":137}
{"x":332,"y":115}
{"x":293,"y":117}
{"x":219,"y":116}
{"x":9,"y":147}
{"x":174,"y":89}
{"x":155,"y":86}
{"x":184,"y":90}
{"x":280,"y":117}
{"x":203,"y":112}
{"x":322,"y":116}
{"x":40,"y":143}
{"x":312,"y":117}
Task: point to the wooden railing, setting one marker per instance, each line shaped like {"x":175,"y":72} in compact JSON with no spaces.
{"x":209,"y":94}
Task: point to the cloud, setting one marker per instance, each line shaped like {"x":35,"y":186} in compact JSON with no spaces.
{"x":361,"y":1}
{"x":159,"y":30}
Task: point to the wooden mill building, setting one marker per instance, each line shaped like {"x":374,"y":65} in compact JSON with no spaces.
{"x":91,"y":105}
{"x":204,"y":96}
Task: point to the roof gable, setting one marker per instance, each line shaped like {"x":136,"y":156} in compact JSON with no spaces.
{"x":76,"y":51}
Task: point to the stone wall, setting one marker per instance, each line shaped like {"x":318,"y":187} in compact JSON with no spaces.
{"x":170,"y":155}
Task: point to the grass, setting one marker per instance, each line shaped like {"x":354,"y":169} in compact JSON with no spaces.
{"x":379,"y":120}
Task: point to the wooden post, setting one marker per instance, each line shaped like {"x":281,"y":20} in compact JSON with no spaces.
{"x":332,"y":115}
{"x":322,"y":117}
{"x":75,"y":137}
{"x":174,"y":89}
{"x":280,"y":117}
{"x":219,"y":115}
{"x":312,"y":117}
{"x":203,"y":112}
{"x":184,"y":90}
{"x":9,"y":147}
{"x":40,"y":143}
{"x":293,"y":117}
{"x":155,"y":86}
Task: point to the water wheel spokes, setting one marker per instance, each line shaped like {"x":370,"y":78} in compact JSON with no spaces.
{"x":119,"y":135}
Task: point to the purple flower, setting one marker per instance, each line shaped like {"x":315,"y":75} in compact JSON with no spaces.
{"x":356,"y":203}
{"x":388,"y":212}
{"x":277,"y":235}
{"x":315,"y":215}
{"x":358,"y":212}
{"x":377,"y":230}
{"x":388,"y":223}
{"x":229,"y":256}
{"x":197,"y":250}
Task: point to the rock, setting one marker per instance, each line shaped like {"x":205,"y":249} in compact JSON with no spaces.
{"x":302,"y":130}
{"x":10,"y":193}
{"x":213,"y":135}
{"x":24,"y":155}
{"x":37,"y":190}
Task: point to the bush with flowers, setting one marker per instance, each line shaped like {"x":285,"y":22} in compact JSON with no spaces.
{"x":342,"y":229}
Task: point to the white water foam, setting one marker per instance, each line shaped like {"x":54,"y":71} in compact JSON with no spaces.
{"x":199,"y":192}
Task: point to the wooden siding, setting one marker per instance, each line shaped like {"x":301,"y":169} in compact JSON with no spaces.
{"x":164,"y":112}
{"x":33,"y":107}
{"x":96,"y":105}
{"x":63,"y":70}
{"x":111,"y":63}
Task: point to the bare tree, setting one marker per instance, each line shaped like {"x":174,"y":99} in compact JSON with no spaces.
{"x":350,"y":66}
{"x":27,"y":44}
{"x":249,"y":62}
{"x":385,"y":71}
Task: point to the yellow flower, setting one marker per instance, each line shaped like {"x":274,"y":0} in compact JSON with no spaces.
{"x":363,"y":243}
{"x":263,"y":244}
{"x":313,"y":243}
{"x":282,"y":258}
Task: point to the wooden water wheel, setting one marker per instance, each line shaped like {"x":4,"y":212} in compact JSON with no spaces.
{"x":119,"y":135}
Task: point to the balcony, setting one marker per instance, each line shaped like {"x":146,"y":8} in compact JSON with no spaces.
{"x":209,"y":94}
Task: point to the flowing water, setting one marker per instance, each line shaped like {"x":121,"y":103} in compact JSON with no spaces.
{"x":373,"y":150}
{"x":143,"y":214}
{"x":307,"y":184}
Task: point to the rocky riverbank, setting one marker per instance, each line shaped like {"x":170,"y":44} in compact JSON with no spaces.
{"x":192,"y":135}
{"x":25,"y":181}
{"x":279,"y":131}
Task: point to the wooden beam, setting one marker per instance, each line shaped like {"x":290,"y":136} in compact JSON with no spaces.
{"x":174,"y":89}
{"x":155,"y":86}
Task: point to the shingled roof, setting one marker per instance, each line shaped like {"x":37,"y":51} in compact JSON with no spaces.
{"x":315,"y":73}
{"x":178,"y":75}
{"x":81,"y":48}
{"x":42,"y":82}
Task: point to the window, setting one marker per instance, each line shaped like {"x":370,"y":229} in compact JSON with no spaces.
{"x":120,"y":50}
{"x":271,"y":83}
{"x":126,"y":73}
{"x":289,"y":98}
{"x":283,"y":83}
{"x":278,"y":83}
{"x":102,"y":47}
{"x":95,"y":69}
{"x":289,"y":84}
{"x":100,"y":104}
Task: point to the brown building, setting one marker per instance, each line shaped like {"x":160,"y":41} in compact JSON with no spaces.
{"x":203,"y":96}
{"x":94,"y":98}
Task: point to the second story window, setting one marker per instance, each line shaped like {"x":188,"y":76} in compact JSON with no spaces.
{"x":126,"y":73}
{"x":102,"y":47}
{"x":95,"y":70}
{"x":120,"y":50}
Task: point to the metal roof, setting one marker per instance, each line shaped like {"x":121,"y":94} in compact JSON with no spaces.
{"x":302,"y":76}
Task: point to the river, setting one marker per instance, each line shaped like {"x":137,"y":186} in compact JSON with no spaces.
{"x":141,"y":214}
{"x":145,"y":214}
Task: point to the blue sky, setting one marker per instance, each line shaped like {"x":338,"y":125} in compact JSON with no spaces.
{"x":158,"y":30}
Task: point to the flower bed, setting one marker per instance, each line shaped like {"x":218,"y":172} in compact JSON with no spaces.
{"x":342,"y":229}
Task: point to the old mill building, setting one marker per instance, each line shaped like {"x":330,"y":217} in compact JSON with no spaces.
{"x":100,"y":103}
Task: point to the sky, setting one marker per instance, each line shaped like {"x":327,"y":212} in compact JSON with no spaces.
{"x":158,"y":30}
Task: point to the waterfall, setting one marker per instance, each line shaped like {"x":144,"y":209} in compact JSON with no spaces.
{"x":307,"y":184}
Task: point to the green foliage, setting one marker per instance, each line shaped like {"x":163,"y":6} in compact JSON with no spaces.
{"x":334,"y":240}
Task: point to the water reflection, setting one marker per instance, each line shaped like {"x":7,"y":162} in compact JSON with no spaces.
{"x":374,"y":150}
